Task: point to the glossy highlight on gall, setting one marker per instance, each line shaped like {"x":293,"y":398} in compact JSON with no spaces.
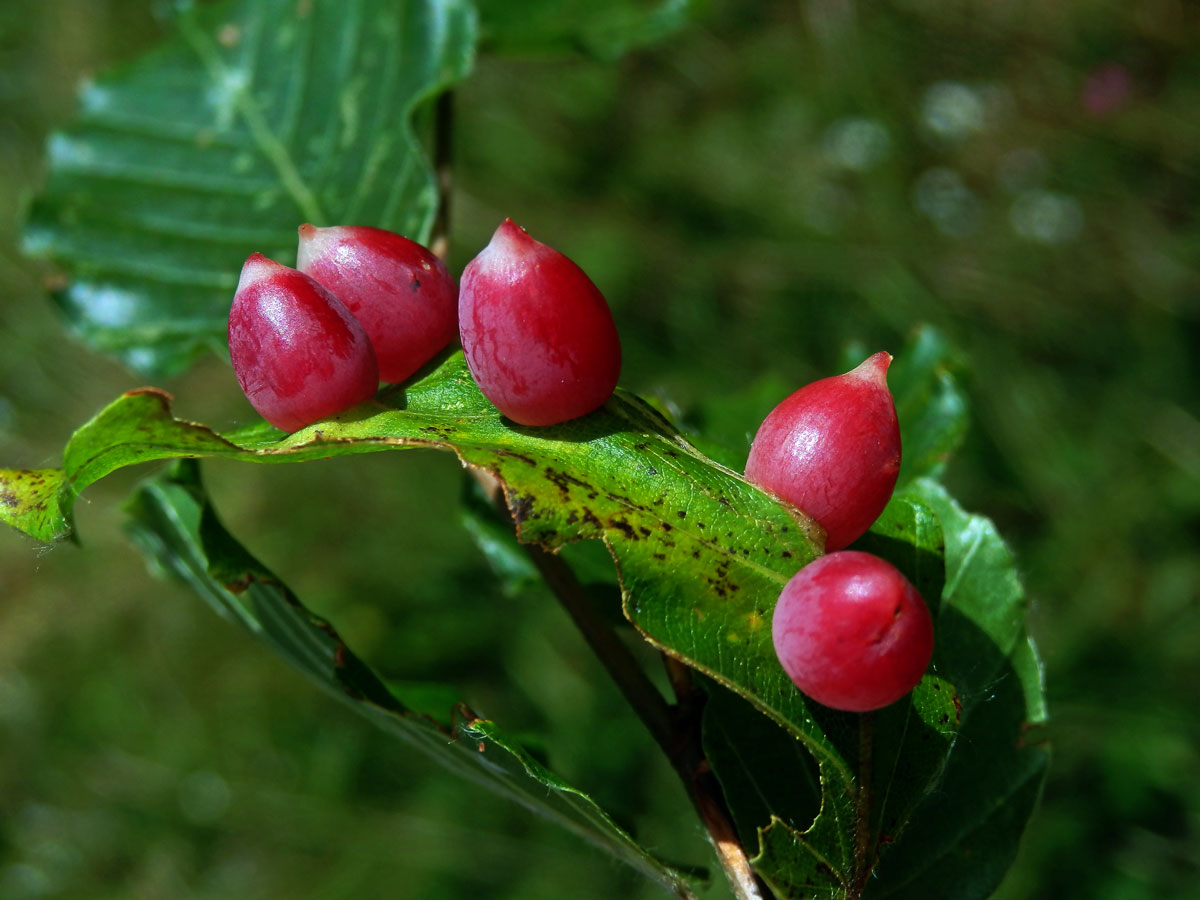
{"x":401,"y":293}
{"x":298,"y":354}
{"x":538,"y":335}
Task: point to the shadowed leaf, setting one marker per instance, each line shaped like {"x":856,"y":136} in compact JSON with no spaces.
{"x":172,"y":520}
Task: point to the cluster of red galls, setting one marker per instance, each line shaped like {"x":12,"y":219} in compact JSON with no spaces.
{"x":366,"y":305}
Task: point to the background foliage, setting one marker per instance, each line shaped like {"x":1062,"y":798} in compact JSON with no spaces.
{"x":755,"y":194}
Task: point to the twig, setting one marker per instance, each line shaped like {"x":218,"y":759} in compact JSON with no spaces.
{"x":633,"y":682}
{"x":687,"y":756}
{"x":676,"y":729}
{"x":863,"y":858}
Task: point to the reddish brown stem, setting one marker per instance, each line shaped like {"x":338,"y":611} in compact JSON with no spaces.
{"x":864,"y":857}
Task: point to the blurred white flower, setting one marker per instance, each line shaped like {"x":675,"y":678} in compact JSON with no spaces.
{"x":856,"y":143}
{"x":941,"y":194}
{"x":1046,"y":217}
{"x":952,"y":111}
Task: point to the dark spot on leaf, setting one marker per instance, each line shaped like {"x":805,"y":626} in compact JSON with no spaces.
{"x":786,"y":554}
{"x":660,"y":556}
{"x":590,"y":518}
{"x":646,"y":532}
{"x":667,"y":526}
{"x":695,"y":554}
{"x":564,"y":480}
{"x":624,"y":527}
{"x":650,"y":470}
{"x":641,"y":446}
{"x":724,"y":501}
{"x":626,"y":501}
{"x":572,"y":518}
{"x":682,"y":513}
{"x":514,"y":455}
{"x":521,"y":507}
{"x":945,"y":718}
{"x":701,"y":525}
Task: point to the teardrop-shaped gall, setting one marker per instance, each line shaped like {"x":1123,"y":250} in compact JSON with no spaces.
{"x":402,"y":295}
{"x":833,"y":449}
{"x":538,"y":335}
{"x":298,"y":354}
{"x":852,"y":632}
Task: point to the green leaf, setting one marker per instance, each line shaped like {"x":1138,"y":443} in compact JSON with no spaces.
{"x":701,"y":553}
{"x":256,"y":116}
{"x":937,"y":824}
{"x":701,"y":556}
{"x":894,"y":757}
{"x":496,"y":541}
{"x":932,"y":408}
{"x":964,"y":836}
{"x":171,"y":518}
{"x":604,"y":30}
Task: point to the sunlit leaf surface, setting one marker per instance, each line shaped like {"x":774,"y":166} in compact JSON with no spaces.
{"x":257,"y":116}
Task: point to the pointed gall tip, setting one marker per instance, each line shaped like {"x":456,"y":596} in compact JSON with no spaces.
{"x":874,"y":368}
{"x":512,"y":236}
{"x":314,"y":242}
{"x":256,"y":268}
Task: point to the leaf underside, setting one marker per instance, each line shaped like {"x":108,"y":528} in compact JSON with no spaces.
{"x":173,"y":522}
{"x":701,"y":556}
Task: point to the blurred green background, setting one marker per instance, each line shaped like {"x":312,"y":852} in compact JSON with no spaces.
{"x":776,"y":186}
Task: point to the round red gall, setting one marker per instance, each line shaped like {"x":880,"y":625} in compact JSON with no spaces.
{"x":852,"y":632}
